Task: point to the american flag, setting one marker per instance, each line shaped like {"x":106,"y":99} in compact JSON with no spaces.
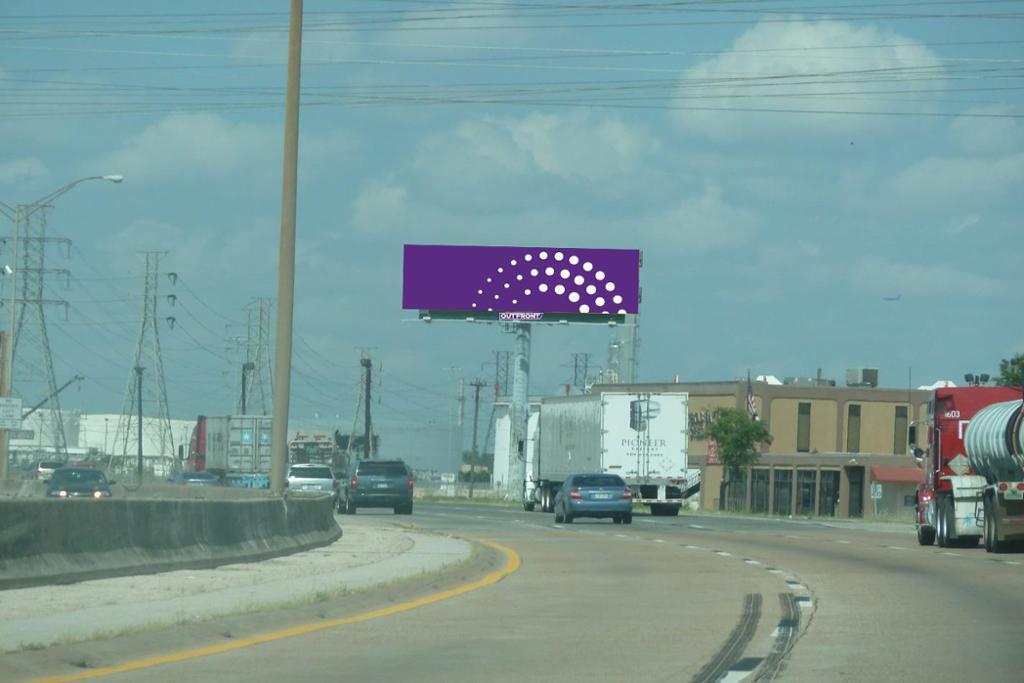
{"x":751,"y":406}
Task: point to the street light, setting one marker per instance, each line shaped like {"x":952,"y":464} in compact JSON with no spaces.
{"x":18,"y":214}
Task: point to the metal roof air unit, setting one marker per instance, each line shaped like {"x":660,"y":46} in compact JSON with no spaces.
{"x":862,"y":377}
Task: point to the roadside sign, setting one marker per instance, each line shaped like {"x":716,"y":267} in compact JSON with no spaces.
{"x":876,"y":490}
{"x":10,"y":413}
{"x":712,"y":458}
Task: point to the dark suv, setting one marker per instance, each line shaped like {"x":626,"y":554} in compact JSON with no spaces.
{"x":380,"y":484}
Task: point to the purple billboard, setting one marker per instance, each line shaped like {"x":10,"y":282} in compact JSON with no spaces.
{"x":515,"y":283}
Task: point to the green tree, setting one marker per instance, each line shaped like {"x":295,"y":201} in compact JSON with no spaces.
{"x":739,"y":438}
{"x":1011,"y":371}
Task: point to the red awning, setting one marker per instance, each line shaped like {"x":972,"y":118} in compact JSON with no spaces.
{"x":897,"y":475}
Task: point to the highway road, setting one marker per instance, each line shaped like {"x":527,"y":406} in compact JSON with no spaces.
{"x":693,"y":598}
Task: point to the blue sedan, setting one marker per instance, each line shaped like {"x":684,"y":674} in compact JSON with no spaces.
{"x":594,"y":495}
{"x":78,"y":482}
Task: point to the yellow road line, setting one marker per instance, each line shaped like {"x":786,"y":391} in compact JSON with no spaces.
{"x":511,"y":564}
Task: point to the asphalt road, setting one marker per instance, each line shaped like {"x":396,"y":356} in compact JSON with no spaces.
{"x":693,"y":598}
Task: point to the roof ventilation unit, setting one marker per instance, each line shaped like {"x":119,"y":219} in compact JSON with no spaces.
{"x":862,"y":377}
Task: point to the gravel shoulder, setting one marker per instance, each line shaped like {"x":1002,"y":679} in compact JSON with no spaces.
{"x":365,"y":557}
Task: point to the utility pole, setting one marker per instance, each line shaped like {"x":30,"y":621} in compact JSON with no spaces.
{"x":476,"y":384}
{"x":367,"y":364}
{"x":286,"y":262}
{"x":138,"y":393}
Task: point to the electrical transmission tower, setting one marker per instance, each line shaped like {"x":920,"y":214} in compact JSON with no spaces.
{"x":256,"y":372}
{"x":149,"y":331}
{"x":502,"y":360}
{"x":581,"y":371}
{"x":623,"y":352}
{"x":30,"y":319}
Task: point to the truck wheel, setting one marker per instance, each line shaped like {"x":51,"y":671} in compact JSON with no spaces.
{"x":941,"y":521}
{"x":988,"y":535}
{"x":997,"y":545}
{"x":925,"y":535}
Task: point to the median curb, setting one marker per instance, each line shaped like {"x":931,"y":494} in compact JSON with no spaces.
{"x":63,"y":541}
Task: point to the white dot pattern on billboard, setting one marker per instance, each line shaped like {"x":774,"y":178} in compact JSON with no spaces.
{"x":576,"y":280}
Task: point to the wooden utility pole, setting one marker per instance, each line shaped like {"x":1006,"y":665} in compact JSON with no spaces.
{"x":286,"y":258}
{"x":367,"y":423}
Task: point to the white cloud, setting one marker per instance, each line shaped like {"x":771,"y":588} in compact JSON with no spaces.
{"x":148,"y":234}
{"x":699,"y":224}
{"x":964,"y":224}
{"x":796,"y":65}
{"x":577,"y":146}
{"x":382,"y":208}
{"x":182,"y":146}
{"x":879,"y":276}
{"x":16,"y":170}
{"x":991,"y":134}
{"x":963,"y":181}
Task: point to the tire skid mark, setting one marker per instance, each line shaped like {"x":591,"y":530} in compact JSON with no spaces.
{"x":731,"y":652}
{"x":785,"y":638}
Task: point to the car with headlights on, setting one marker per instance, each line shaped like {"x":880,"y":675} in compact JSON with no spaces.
{"x":78,"y":482}
{"x":594,"y":495}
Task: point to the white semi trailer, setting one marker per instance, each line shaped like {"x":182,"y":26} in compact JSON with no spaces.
{"x":642,"y":437}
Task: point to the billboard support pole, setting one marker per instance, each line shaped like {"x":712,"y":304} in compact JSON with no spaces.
{"x":520,"y":405}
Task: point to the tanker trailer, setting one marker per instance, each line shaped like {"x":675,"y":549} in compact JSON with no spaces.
{"x":994,"y":443}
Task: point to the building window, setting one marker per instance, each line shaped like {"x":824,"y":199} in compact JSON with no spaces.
{"x":737,"y":494}
{"x":783,"y":492}
{"x":853,"y":429}
{"x":759,"y":478}
{"x":806,"y":481}
{"x":828,"y":493}
{"x":803,"y":428}
{"x":899,"y":441}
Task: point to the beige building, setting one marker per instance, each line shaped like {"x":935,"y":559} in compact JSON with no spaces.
{"x":835,"y":451}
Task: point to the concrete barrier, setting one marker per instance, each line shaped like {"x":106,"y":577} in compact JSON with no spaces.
{"x":62,"y":541}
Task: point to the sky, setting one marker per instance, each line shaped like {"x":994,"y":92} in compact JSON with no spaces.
{"x":812,"y":184}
